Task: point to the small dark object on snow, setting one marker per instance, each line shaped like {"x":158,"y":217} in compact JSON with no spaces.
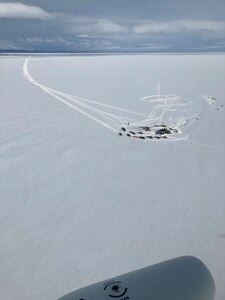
{"x":157,"y":137}
{"x":163,"y":131}
{"x":141,"y":137}
{"x":146,"y":128}
{"x":128,"y":134}
{"x":120,"y":133}
{"x":149,"y":137}
{"x":132,"y":132}
{"x":123,"y":128}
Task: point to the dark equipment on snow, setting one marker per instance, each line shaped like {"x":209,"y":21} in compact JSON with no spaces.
{"x":163,"y":131}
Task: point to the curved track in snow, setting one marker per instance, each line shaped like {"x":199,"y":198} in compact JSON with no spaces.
{"x":81,"y":106}
{"x":113,"y":121}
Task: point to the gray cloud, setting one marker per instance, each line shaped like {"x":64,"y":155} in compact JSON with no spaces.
{"x":4,"y":44}
{"x":20,"y":10}
{"x":89,"y":25}
{"x":188,"y":26}
{"x":85,"y":25}
{"x":48,"y":26}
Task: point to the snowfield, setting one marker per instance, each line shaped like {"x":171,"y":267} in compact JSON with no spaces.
{"x":78,"y":202}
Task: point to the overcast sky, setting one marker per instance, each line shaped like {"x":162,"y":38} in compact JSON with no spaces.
{"x":113,"y":25}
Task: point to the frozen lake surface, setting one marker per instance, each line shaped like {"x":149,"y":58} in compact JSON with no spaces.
{"x":79,"y":203}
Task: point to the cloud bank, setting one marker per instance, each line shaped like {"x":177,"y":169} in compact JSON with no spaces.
{"x":20,"y":10}
{"x":60,"y":31}
{"x":187,"y":26}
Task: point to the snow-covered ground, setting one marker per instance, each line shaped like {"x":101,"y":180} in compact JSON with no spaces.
{"x":79,"y":203}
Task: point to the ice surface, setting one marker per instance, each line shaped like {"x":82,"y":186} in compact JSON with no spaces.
{"x":80,"y":204}
{"x":165,"y":121}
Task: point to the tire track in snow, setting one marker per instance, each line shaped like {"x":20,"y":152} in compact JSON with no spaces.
{"x":71,"y":100}
{"x":67,"y":99}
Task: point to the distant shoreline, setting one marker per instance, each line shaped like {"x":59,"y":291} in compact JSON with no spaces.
{"x":104,"y":53}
